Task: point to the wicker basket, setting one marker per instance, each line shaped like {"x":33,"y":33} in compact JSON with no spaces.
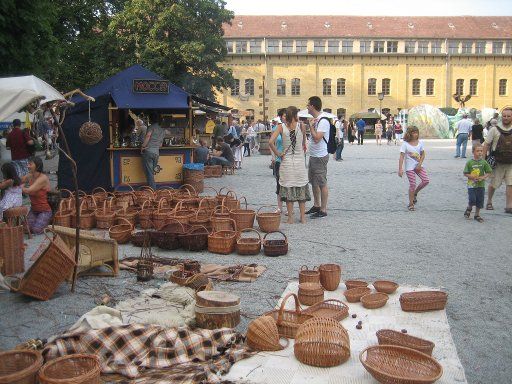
{"x":390,"y":337}
{"x":423,"y":301}
{"x":167,"y":236}
{"x":100,"y":195}
{"x":122,"y":233}
{"x":391,"y":364}
{"x":198,"y":282}
{"x":143,"y":194}
{"x":213,"y":171}
{"x":248,"y":245}
{"x":63,"y":215}
{"x":145,"y":217}
{"x":105,"y":217}
{"x":11,"y":249}
{"x":180,"y":277}
{"x":71,"y":369}
{"x":130,"y":214}
{"x":123,"y":199}
{"x":87,"y":217}
{"x":210,"y":201}
{"x":228,"y":199}
{"x":385,"y":286}
{"x":354,"y":295}
{"x":222,"y":242}
{"x":289,"y":321}
{"x":268,"y":221}
{"x":202,"y":216}
{"x":263,"y":335}
{"x":330,"y":276}
{"x":322,"y":342}
{"x":161,"y":215}
{"x":244,"y":218}
{"x":20,"y":367}
{"x":355,"y":284}
{"x":138,"y":239}
{"x":331,"y":308}
{"x":310,"y":293}
{"x":309,"y":275}
{"x":196,"y":239}
{"x":275,"y":247}
{"x":181,"y":213}
{"x":374,"y":300}
{"x":222,"y":223}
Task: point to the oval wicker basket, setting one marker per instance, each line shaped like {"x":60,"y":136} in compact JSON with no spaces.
{"x":20,"y":366}
{"x":385,"y":286}
{"x":390,"y":337}
{"x":400,"y":365}
{"x":71,"y":369}
{"x":310,"y":293}
{"x":288,"y":321}
{"x":248,"y":245}
{"x":268,"y":221}
{"x":374,"y":300}
{"x":322,"y":342}
{"x":180,"y":277}
{"x":331,"y":308}
{"x":222,"y":242}
{"x":355,"y":284}
{"x":196,"y":239}
{"x":275,"y":247}
{"x":122,"y":233}
{"x":263,"y":335}
{"x":354,"y":295}
{"x":309,"y":275}
{"x":423,"y":301}
{"x":330,"y":276}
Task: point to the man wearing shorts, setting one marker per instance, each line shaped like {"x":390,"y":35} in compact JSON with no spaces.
{"x":318,"y":158}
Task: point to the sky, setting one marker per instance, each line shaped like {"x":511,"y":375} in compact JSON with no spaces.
{"x":372,"y":7}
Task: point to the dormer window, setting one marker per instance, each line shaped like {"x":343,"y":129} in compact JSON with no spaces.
{"x":410,"y":25}
{"x":369,"y":25}
{"x":240,"y":24}
{"x":495,"y":26}
{"x":283,"y":25}
{"x":327,"y":24}
{"x":451,"y":25}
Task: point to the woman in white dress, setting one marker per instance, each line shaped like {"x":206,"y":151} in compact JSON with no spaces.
{"x":293,"y":177}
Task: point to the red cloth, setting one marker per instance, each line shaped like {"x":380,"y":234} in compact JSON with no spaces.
{"x":39,"y":201}
{"x":17,"y":142}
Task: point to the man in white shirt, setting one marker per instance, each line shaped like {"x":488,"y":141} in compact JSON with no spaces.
{"x":464,"y":132}
{"x":318,"y":158}
{"x":340,"y":127}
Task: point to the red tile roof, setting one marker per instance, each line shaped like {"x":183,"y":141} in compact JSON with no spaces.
{"x":451,"y":27}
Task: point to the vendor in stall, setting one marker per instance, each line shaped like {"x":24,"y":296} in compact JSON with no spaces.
{"x":150,"y":149}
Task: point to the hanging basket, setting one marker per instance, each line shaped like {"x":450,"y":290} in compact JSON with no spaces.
{"x":275,"y":247}
{"x":248,"y":245}
{"x":90,"y":133}
{"x":244,"y":218}
{"x":268,"y":221}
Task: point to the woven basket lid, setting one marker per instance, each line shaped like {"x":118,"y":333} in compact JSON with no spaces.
{"x":216,"y":299}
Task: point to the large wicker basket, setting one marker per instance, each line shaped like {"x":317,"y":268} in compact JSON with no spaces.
{"x":122,"y":233}
{"x":11,"y":249}
{"x":71,"y":369}
{"x":330,"y":276}
{"x":63,"y":215}
{"x":268,"y":221}
{"x":248,"y":245}
{"x":391,"y":364}
{"x":196,"y":239}
{"x":105,"y":217}
{"x":20,"y":367}
{"x":322,"y":342}
{"x":263,"y":335}
{"x":390,"y":337}
{"x":167,"y":236}
{"x":289,"y":321}
{"x":244,"y":218}
{"x":222,"y":242}
{"x":423,"y":301}
{"x":275,"y":247}
{"x":309,"y":275}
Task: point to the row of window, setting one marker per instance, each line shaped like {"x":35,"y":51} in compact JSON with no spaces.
{"x":367,"y":46}
{"x":372,"y":87}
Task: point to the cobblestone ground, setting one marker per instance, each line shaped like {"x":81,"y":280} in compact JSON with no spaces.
{"x":368,"y":231}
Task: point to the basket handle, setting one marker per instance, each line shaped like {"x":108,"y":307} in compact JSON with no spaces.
{"x":281,"y":308}
{"x":221,"y":207}
{"x":127,"y":222}
{"x":173,"y":219}
{"x":208,"y":187}
{"x":231,"y":194}
{"x":196,"y":227}
{"x":264,"y":206}
{"x":61,"y":203}
{"x":125,"y":184}
{"x":243,"y":197}
{"x":70,"y":194}
{"x":101,"y":190}
{"x":201,"y":209}
{"x":250,"y":230}
{"x":220,"y":190}
{"x":264,"y":237}
{"x":146,"y":188}
{"x":304,"y":268}
{"x":186,"y":186}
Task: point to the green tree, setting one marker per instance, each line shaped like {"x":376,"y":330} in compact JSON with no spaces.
{"x":179,"y":39}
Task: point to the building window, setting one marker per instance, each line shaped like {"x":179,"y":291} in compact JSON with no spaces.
{"x":301,"y":46}
{"x":249,"y":87}
{"x":241,"y":46}
{"x":502,"y":87}
{"x":340,"y":87}
{"x":480,"y":47}
{"x":416,"y":87}
{"x":328,"y":110}
{"x":392,"y":46}
{"x":235,"y":90}
{"x":497,"y":47}
{"x":372,"y":86}
{"x":319,"y":46}
{"x":365,"y":46}
{"x":410,"y":46}
{"x":453,"y":47}
{"x":422,"y":46}
{"x":326,"y":87}
{"x":435,"y":46}
{"x":333,"y":46}
{"x":255,"y":46}
{"x":295,"y":87}
{"x":347,"y":46}
{"x":459,"y":86}
{"x":386,"y":86}
{"x":272,"y":46}
{"x":378,"y":46}
{"x":430,"y":87}
{"x":508,"y":48}
{"x":473,"y":87}
{"x":287,"y":46}
{"x":281,"y":87}
{"x":230,"y":46}
{"x":467,"y":47}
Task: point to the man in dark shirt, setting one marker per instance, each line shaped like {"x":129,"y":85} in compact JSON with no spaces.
{"x":17,"y":141}
{"x":477,"y":132}
{"x":222,"y":155}
{"x":361,"y":124}
{"x":201,"y":153}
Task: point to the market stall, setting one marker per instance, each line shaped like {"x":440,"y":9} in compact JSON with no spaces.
{"x":116,"y":159}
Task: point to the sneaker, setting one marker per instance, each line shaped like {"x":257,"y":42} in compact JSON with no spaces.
{"x":318,"y":215}
{"x":456,"y":156}
{"x":313,"y":209}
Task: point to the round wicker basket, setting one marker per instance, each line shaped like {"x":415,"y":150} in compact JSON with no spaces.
{"x":374,"y":300}
{"x":20,"y":367}
{"x":90,"y":133}
{"x":385,"y":286}
{"x":309,"y":275}
{"x":354,"y":295}
{"x":355,"y":284}
{"x":71,"y":369}
{"x":310,"y":293}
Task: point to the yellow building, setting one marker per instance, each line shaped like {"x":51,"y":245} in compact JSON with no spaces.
{"x":279,"y":61}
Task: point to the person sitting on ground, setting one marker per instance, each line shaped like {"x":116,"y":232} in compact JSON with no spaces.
{"x":201,"y":153}
{"x":40,"y":215}
{"x":222,"y":154}
{"x":476,"y":170}
{"x":11,"y":188}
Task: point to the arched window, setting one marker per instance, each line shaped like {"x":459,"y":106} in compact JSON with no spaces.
{"x":430,"y":87}
{"x":326,"y":87}
{"x":249,"y":87}
{"x":473,"y":87}
{"x":340,"y":87}
{"x":281,"y":87}
{"x":416,"y":87}
{"x":295,"y":87}
{"x":459,"y":86}
{"x":372,"y":86}
{"x":235,"y":89}
{"x":386,"y":86}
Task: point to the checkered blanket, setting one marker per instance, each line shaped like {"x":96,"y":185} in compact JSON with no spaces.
{"x":153,"y":354}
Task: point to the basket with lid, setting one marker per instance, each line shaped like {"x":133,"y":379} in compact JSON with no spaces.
{"x":275,"y":247}
{"x":309,"y":275}
{"x":288,"y":321}
{"x":248,"y":245}
{"x":217,"y":309}
{"x":268,"y":221}
{"x":310,"y":293}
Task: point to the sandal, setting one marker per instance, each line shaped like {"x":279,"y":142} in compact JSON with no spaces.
{"x":467,"y":213}
{"x":479,"y":219}
{"x":410,"y":207}
{"x":489,"y":207}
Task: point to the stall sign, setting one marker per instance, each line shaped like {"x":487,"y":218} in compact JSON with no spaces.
{"x":150,"y":86}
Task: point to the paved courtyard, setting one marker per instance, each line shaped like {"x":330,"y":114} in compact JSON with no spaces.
{"x":369,"y":232}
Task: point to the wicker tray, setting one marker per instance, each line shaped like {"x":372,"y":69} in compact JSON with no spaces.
{"x":385,"y":286}
{"x":275,"y":247}
{"x":287,"y":321}
{"x":332,"y":308}
{"x":20,"y":367}
{"x":390,"y":337}
{"x":354,"y":295}
{"x":423,"y":301}
{"x":374,"y":300}
{"x":71,"y":369}
{"x":391,"y":364}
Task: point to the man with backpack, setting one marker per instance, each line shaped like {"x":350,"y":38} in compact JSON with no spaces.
{"x":499,"y":141}
{"x":320,"y":141}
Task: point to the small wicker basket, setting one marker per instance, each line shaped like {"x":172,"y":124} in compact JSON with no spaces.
{"x":122,"y":233}
{"x":244,"y":218}
{"x":276,"y":247}
{"x":222,"y":242}
{"x":146,"y":215}
{"x":374,"y":300}
{"x":167,"y":236}
{"x":423,"y":301}
{"x":71,"y":369}
{"x":355,"y":284}
{"x":331,"y":308}
{"x":105,"y":217}
{"x":288,"y":321}
{"x":390,"y":337}
{"x":310,"y":293}
{"x":268,"y":221}
{"x":354,"y":295}
{"x":63,"y":215}
{"x":309,"y":275}
{"x":20,"y":366}
{"x":263,"y":335}
{"x":248,"y":245}
{"x":330,"y":276}
{"x":385,"y":286}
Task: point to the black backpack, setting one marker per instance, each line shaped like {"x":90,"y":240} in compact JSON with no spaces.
{"x":331,"y":144}
{"x":503,"y":151}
